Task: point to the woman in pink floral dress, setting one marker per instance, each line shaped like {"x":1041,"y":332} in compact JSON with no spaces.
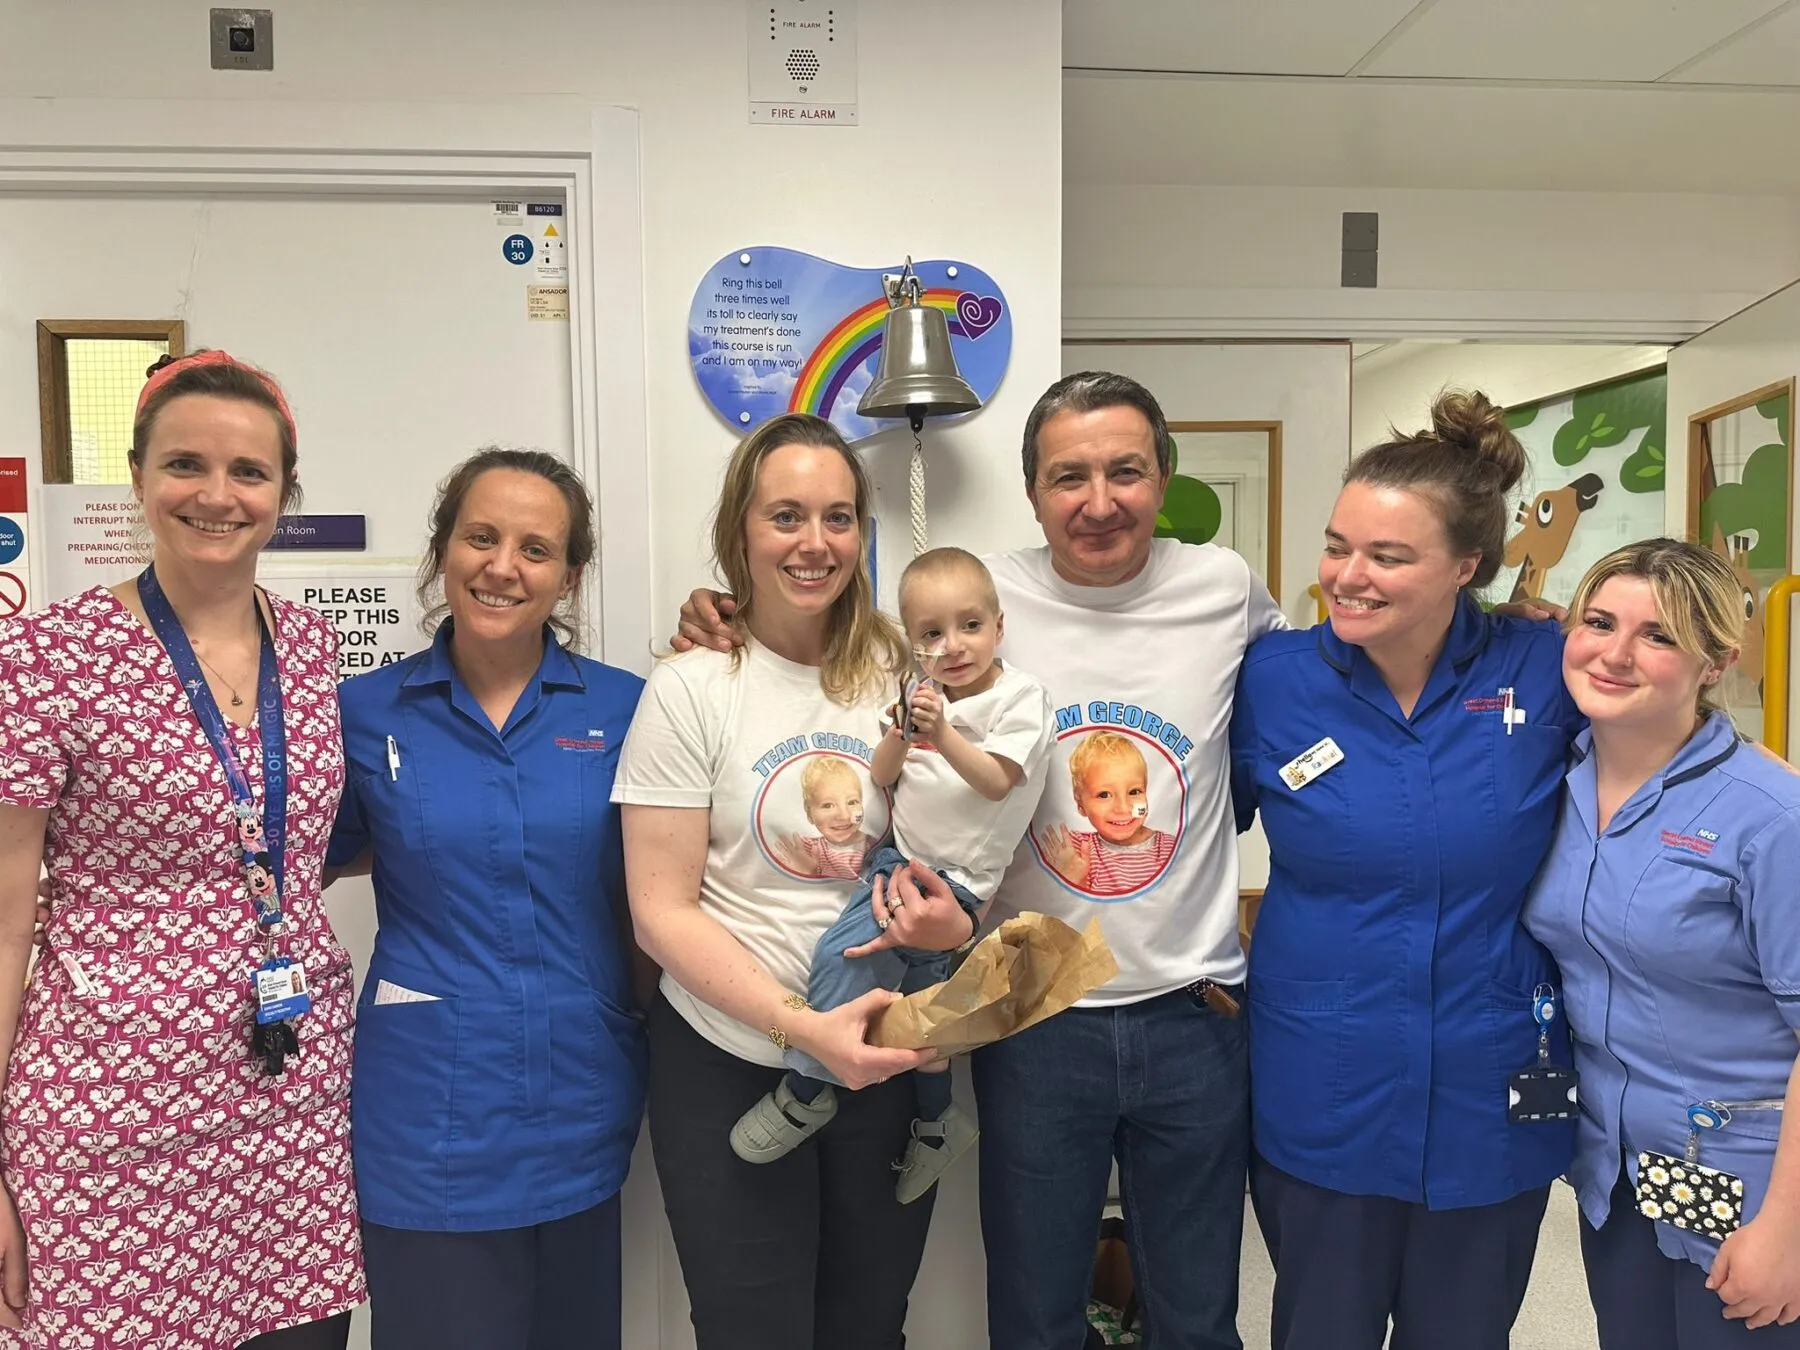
{"x":175,"y":1128}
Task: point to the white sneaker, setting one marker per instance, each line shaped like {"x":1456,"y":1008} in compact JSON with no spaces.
{"x":780,"y":1122}
{"x":950,"y":1136}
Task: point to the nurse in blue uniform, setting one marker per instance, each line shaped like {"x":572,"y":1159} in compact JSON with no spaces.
{"x":1405,"y":758}
{"x":499,"y":1071}
{"x":1671,"y":900}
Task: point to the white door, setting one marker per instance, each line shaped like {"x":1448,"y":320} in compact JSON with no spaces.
{"x":397,"y":327}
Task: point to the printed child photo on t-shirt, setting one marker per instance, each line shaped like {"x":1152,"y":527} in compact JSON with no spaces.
{"x":1113,"y":849}
{"x":833,"y":845}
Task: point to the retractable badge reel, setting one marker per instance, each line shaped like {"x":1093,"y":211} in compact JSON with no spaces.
{"x":1545,"y":1091}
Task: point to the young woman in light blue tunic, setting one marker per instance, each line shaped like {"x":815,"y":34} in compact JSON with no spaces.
{"x":1669,"y":901}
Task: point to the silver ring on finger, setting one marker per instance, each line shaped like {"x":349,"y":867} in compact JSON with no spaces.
{"x":882,"y":924}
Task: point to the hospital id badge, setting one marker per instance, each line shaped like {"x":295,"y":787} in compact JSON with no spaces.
{"x":280,"y":988}
{"x":1303,"y":768}
{"x":1542,"y":1092}
{"x":1683,"y":1194}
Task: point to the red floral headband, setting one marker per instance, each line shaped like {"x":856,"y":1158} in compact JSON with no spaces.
{"x":164,"y":373}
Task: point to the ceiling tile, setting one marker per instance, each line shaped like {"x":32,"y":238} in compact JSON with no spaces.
{"x":1770,"y":55}
{"x":1587,"y":40}
{"x":1432,"y":135}
{"x":1288,"y":37}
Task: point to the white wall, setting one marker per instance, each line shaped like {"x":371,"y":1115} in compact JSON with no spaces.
{"x":1393,"y":387}
{"x":975,"y":87}
{"x":986,"y":99}
{"x":1511,"y":265}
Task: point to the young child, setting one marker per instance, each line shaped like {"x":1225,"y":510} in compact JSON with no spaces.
{"x":1121,"y":852}
{"x":969,"y":781}
{"x":832,"y":796}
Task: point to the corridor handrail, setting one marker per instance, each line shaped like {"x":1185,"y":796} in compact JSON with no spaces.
{"x":1777,"y":625}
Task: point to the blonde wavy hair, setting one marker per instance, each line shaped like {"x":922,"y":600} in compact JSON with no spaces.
{"x":818,"y":776}
{"x":1700,"y":602}
{"x":864,"y":650}
{"x":1105,"y":747}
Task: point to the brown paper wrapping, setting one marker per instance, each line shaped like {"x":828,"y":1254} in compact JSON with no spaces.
{"x":1027,"y":969}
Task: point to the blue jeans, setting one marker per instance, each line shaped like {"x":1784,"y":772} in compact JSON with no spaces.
{"x":837,"y":979}
{"x":1164,"y":1087}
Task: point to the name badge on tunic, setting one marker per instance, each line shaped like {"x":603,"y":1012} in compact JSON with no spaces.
{"x":1303,"y":768}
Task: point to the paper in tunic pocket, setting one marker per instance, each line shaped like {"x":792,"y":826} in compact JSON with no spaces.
{"x":388,"y":992}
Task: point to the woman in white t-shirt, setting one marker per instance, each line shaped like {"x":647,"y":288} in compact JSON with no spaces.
{"x":814,"y":1249}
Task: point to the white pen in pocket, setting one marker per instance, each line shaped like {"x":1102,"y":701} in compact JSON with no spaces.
{"x":1510,"y":711}
{"x":393,"y":760}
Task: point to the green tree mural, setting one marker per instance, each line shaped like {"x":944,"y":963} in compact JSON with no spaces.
{"x":1605,"y":415}
{"x":1191,"y":510}
{"x":1757,"y":503}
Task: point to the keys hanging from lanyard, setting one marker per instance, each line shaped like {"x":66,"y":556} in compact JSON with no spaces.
{"x":260,"y":839}
{"x":1544,"y":1091}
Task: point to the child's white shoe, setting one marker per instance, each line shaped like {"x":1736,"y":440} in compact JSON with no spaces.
{"x":780,"y":1122}
{"x":934,"y":1145}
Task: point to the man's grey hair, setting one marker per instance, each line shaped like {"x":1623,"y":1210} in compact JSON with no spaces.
{"x":1090,"y":391}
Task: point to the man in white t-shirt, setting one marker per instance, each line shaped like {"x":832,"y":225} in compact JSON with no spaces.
{"x":1138,"y":641}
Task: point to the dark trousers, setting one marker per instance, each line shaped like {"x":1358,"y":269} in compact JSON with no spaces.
{"x":331,"y":1334}
{"x":811,"y":1250}
{"x":1346,"y":1264}
{"x":552,"y":1286}
{"x":1163,"y":1086}
{"x":1644,"y":1300}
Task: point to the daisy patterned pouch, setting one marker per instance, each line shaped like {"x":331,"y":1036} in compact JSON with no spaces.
{"x":1700,"y":1199}
{"x":1682,"y":1192}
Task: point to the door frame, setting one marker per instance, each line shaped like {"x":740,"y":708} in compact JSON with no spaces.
{"x":589,"y":155}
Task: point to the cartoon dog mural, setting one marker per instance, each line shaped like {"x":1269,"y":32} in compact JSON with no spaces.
{"x":1743,"y":683}
{"x":1549,"y":523}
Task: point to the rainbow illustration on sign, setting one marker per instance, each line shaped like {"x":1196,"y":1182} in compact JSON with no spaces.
{"x":773,"y":331}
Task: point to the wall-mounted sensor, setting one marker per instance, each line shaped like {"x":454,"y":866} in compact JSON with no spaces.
{"x":243,"y":39}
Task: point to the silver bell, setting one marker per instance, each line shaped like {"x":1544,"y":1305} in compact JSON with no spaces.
{"x":917,"y":377}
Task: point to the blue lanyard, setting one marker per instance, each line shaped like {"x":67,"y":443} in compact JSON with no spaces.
{"x":271,"y":821}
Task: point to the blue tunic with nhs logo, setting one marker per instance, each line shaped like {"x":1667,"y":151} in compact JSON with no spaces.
{"x":499,"y":1072}
{"x":1679,"y":939}
{"x":1390,"y":978}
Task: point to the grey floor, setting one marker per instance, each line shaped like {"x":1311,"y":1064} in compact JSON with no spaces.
{"x":1556,"y":1315}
